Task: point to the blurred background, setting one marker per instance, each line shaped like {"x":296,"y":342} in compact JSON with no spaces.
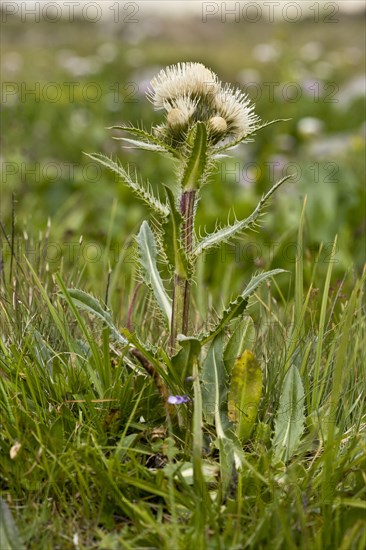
{"x":68,"y":75}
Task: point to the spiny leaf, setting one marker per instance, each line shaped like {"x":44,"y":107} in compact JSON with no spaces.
{"x":290,"y":418}
{"x":148,"y":139}
{"x":88,"y":303}
{"x":236,"y":142}
{"x":238,"y":306}
{"x":230,"y":231}
{"x":171,"y":238}
{"x":197,"y":159}
{"x":234,"y":309}
{"x":144,"y":193}
{"x":148,"y":254}
{"x":244,"y":394}
{"x":136,"y":144}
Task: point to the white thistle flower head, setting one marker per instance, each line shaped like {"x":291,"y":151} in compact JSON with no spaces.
{"x":189,"y":80}
{"x":234,"y":107}
{"x":190,"y":92}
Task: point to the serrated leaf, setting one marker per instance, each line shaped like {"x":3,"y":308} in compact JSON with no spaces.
{"x":230,"y":231}
{"x":197,"y":159}
{"x":148,"y":261}
{"x":244,"y":394}
{"x":290,"y":418}
{"x":136,"y":144}
{"x":9,"y":534}
{"x":88,"y":303}
{"x":238,"y":306}
{"x":236,"y":142}
{"x":148,"y":139}
{"x":171,"y":238}
{"x":143,"y":192}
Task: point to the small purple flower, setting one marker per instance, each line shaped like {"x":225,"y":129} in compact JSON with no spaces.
{"x":177,"y":399}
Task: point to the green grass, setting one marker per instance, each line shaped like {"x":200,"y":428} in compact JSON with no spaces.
{"x":98,"y":459}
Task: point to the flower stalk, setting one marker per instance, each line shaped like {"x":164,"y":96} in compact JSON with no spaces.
{"x":182,"y":284}
{"x":187,"y":206}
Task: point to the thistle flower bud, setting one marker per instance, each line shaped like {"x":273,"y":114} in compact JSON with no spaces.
{"x":176,"y":119}
{"x":217,"y":125}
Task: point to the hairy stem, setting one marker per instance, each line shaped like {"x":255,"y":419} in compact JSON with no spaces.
{"x":182,"y":286}
{"x":187,"y":211}
{"x":177,"y":310}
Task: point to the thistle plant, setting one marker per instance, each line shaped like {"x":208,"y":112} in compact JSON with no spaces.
{"x":203,"y":120}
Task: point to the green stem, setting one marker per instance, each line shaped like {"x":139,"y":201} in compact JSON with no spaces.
{"x":182,"y":286}
{"x":177,"y":310}
{"x":187,"y":211}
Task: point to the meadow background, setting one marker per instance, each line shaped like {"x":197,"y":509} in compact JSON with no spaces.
{"x":64,"y":83}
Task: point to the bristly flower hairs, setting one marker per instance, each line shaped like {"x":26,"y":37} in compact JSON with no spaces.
{"x":203,"y":118}
{"x":191,"y":93}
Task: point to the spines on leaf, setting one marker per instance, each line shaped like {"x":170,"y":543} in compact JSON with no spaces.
{"x":221,"y":148}
{"x":238,"y":306}
{"x":231,"y":231}
{"x":143,"y":191}
{"x":147,"y":141}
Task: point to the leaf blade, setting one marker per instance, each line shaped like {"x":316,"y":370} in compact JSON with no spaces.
{"x":245,"y":391}
{"x":214,"y":405}
{"x":172,"y":238}
{"x":197,"y":159}
{"x":238,"y":306}
{"x":144,"y":193}
{"x":88,"y":303}
{"x":230,"y":231}
{"x":148,"y":261}
{"x":149,"y":139}
{"x":290,"y":418}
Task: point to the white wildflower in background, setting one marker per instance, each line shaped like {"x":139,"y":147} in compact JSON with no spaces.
{"x":15,"y":450}
{"x":190,"y":92}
